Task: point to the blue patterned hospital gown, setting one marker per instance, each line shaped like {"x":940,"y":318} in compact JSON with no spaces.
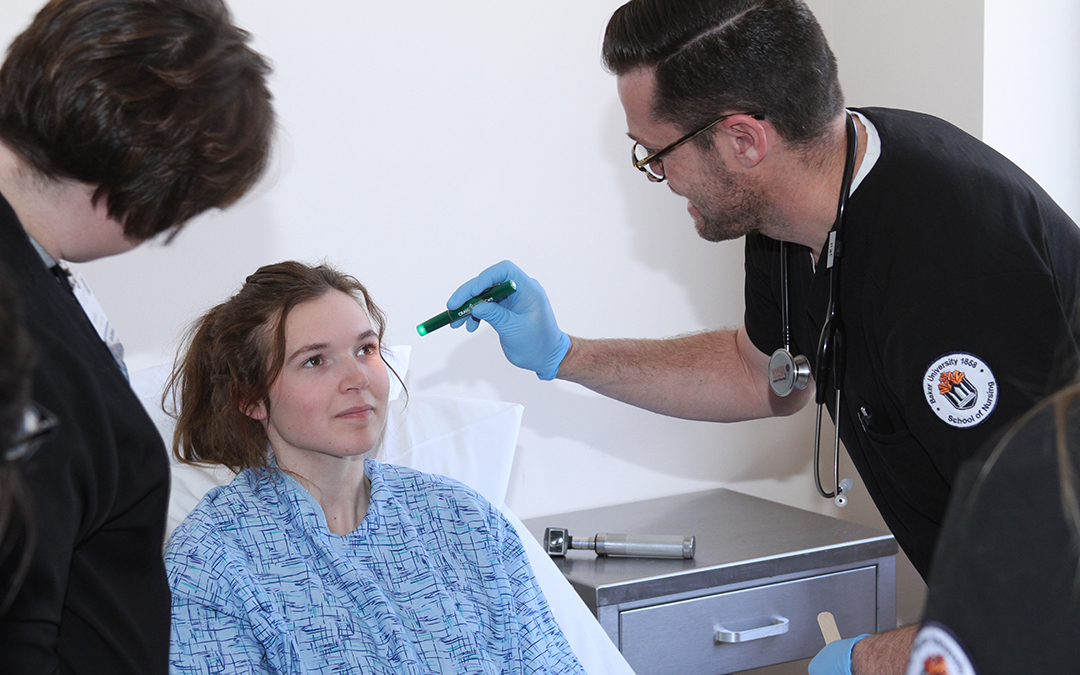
{"x":435,"y":580}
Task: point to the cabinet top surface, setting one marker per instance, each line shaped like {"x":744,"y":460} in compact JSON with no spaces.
{"x":731,"y":530}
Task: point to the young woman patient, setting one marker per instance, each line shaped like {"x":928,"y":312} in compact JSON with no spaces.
{"x":317,"y":558}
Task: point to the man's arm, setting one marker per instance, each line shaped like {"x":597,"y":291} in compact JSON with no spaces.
{"x":717,"y":376}
{"x":886,"y":653}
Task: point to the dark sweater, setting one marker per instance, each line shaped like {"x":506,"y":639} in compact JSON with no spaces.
{"x":96,"y":599}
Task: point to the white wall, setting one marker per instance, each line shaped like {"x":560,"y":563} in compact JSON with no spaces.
{"x":421,"y":141}
{"x":923,"y":55}
{"x":1032,"y":91}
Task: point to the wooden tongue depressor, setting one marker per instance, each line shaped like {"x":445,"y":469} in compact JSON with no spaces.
{"x":829,"y":631}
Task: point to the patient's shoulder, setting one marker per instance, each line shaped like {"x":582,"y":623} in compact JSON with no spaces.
{"x":434,"y":500}
{"x":224,"y":537}
{"x":404,"y":480}
{"x":225,"y":513}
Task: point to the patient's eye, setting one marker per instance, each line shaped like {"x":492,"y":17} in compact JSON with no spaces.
{"x":368,"y":349}
{"x":316,"y":360}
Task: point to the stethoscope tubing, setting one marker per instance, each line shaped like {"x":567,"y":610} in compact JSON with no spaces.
{"x":830,"y":329}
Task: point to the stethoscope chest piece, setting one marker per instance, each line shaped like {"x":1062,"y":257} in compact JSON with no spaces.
{"x":788,"y":373}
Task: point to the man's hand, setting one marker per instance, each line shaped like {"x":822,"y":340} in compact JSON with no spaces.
{"x":529,"y":335}
{"x":835,"y":659}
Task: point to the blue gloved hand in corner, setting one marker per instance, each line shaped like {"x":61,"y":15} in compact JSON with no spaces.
{"x":529,"y":335}
{"x":835,"y":658}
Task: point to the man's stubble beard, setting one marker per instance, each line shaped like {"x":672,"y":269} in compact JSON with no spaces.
{"x":729,"y":206}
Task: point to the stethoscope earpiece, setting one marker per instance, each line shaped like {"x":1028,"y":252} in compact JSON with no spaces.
{"x":841,"y":498}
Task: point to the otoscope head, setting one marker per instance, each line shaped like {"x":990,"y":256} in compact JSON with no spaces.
{"x":556,"y":541}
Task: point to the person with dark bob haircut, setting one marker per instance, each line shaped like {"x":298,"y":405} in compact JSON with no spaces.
{"x":120,"y":120}
{"x":900,"y":273}
{"x":158,"y":104}
{"x":318,"y":558}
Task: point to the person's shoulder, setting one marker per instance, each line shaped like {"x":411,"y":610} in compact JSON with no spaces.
{"x":1023,"y":453}
{"x":968,"y":194}
{"x":896,"y":120}
{"x":219,"y":516}
{"x":432,"y":489}
{"x":916,"y":143}
{"x":938,"y":152}
{"x":212,"y":557}
{"x":433,"y":481}
{"x":1032,"y":445}
{"x":441,"y":507}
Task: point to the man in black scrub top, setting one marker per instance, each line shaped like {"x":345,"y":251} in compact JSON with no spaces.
{"x":956,"y":276}
{"x":119,"y":120}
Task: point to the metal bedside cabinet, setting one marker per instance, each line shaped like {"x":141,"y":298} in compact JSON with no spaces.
{"x":750,"y":598}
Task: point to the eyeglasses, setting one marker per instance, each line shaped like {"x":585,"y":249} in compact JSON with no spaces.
{"x":652,"y":165}
{"x":38,"y":424}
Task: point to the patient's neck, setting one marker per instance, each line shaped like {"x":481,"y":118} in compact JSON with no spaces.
{"x":337,"y":483}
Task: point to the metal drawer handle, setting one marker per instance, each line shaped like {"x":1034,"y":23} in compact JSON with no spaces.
{"x":778,"y":626}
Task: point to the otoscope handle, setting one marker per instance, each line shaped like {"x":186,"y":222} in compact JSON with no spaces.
{"x":557,"y":541}
{"x":644,"y":545}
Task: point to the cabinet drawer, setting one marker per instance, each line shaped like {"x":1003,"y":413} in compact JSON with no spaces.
{"x":681,"y":637}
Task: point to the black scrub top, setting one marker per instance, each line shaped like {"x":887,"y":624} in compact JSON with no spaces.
{"x":959,"y":287}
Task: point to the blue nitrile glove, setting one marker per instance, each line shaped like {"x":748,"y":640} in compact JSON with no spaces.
{"x":835,"y":659}
{"x":529,"y":335}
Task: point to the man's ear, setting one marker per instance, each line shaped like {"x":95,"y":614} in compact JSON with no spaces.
{"x":747,"y":139}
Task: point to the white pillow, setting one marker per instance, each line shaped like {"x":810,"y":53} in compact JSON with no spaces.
{"x":470,"y":440}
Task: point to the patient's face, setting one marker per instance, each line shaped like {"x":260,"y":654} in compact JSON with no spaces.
{"x":330,"y":399}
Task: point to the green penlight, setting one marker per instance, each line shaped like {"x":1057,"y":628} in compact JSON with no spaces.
{"x":493,"y":294}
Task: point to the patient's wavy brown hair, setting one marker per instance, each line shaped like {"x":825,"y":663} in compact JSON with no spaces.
{"x":233,"y":357}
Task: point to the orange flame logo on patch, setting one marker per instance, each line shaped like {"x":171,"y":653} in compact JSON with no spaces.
{"x":948,"y":380}
{"x":935,"y":665}
{"x":959,"y":390}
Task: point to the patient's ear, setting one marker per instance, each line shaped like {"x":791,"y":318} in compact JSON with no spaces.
{"x":256,"y":411}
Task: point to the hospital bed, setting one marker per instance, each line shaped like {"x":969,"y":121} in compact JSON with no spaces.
{"x":470,"y":440}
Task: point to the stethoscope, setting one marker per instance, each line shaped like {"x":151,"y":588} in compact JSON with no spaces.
{"x":788,"y":372}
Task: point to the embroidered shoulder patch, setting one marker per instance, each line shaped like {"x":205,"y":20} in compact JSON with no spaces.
{"x":936,"y":652}
{"x":961,"y":389}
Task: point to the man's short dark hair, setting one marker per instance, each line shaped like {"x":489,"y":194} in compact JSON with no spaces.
{"x":159,"y":104}
{"x":712,"y":57}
